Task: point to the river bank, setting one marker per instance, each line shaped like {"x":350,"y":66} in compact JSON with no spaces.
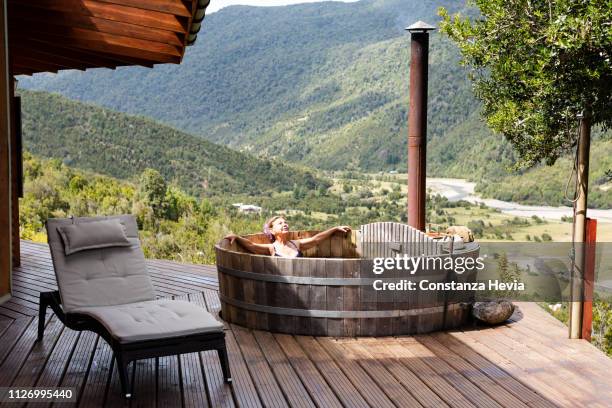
{"x":460,"y":189}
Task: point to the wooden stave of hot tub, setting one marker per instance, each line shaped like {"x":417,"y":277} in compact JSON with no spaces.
{"x":318,"y":295}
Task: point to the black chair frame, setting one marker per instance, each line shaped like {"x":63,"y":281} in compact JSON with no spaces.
{"x":125,"y":353}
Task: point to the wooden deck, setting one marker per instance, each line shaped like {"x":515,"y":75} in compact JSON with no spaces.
{"x":527,"y":363}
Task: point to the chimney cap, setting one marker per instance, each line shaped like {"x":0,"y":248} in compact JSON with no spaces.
{"x":420,"y":26}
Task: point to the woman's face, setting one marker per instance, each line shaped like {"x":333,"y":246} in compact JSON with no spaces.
{"x":279,"y":226}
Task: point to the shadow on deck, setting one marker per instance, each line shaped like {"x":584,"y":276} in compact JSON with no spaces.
{"x":527,"y":363}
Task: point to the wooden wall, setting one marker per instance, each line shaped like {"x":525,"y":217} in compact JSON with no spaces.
{"x":5,"y":162}
{"x":16,"y":169}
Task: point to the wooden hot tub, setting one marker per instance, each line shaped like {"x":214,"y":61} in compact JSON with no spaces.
{"x":329,"y":292}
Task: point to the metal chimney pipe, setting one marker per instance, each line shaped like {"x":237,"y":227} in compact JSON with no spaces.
{"x":417,"y":123}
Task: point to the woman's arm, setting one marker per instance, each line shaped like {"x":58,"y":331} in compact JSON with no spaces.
{"x":306,"y":243}
{"x":261,"y":249}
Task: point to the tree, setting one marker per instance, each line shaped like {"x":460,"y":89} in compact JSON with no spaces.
{"x":536,"y":65}
{"x":150,"y":204}
{"x":152,"y":190}
{"x":602,"y":325}
{"x":77,"y":183}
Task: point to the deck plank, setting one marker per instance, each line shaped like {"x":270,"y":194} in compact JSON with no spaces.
{"x":500,"y":358}
{"x":411,"y":381}
{"x":22,"y":306}
{"x":113,"y":397}
{"x":295,"y":392}
{"x":22,"y":345}
{"x":370,"y":391}
{"x":6,"y":313}
{"x":342,"y":386}
{"x":219,"y":393}
{"x":471,"y":373}
{"x":316,"y":385}
{"x":144,"y":391}
{"x":36,"y":360}
{"x":4,"y":325}
{"x":378,"y":371}
{"x":496,"y":373}
{"x":536,"y":324}
{"x":193,"y":385}
{"x":11,"y":336}
{"x":95,"y":387}
{"x":25,"y":295}
{"x":244,"y":386}
{"x":168,"y":383}
{"x":446,"y":391}
{"x":462,"y":384}
{"x":564,"y":357}
{"x":577,"y":385}
{"x":192,"y":380}
{"x":78,"y":368}
{"x":59,"y":359}
{"x":267,"y":387}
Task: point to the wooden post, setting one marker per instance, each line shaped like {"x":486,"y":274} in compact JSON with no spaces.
{"x":5,"y":163}
{"x":589,"y":278}
{"x":16,"y":169}
{"x":577,"y":296}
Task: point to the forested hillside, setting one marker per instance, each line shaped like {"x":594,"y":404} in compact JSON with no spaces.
{"x":323,"y":85}
{"x":172,"y":224}
{"x":302,"y":82}
{"x":122,"y":146}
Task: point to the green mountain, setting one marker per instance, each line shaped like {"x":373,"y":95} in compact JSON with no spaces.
{"x":300,"y":82}
{"x":323,"y":85}
{"x":122,"y":146}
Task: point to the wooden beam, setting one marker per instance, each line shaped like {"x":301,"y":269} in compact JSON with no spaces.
{"x":104,"y":59}
{"x":37,"y":55}
{"x":24,"y":18}
{"x":73,"y":35}
{"x":114,"y":12}
{"x":123,"y":55}
{"x":80,"y":56}
{"x":118,"y":51}
{"x":22,"y":71}
{"x":25,"y":61}
{"x":176,"y":7}
{"x":31,"y":69}
{"x":5,"y":160}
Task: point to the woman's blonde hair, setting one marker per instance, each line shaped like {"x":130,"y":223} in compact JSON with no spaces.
{"x":267,"y":227}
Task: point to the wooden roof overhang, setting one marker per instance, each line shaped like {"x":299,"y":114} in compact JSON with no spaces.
{"x":51,"y":35}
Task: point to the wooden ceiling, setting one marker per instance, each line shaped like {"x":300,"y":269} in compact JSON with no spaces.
{"x":51,"y":35}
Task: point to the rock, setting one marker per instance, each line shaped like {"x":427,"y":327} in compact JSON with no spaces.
{"x":464,"y":232}
{"x":493,"y":312}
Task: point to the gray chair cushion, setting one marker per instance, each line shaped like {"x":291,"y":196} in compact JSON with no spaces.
{"x":93,"y":235}
{"x":158,"y":319}
{"x":100,"y":277}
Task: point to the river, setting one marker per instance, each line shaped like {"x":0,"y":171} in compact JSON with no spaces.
{"x":460,"y":189}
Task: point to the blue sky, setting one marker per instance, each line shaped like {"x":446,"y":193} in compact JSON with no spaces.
{"x":218,"y":4}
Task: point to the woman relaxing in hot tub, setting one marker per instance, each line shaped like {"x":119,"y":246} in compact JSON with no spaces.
{"x":277,"y":230}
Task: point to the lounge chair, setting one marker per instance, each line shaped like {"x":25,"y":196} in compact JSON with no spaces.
{"x":104,"y":287}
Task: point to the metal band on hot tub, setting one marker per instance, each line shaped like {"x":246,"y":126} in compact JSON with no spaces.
{"x":345,"y":314}
{"x":301,"y":280}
